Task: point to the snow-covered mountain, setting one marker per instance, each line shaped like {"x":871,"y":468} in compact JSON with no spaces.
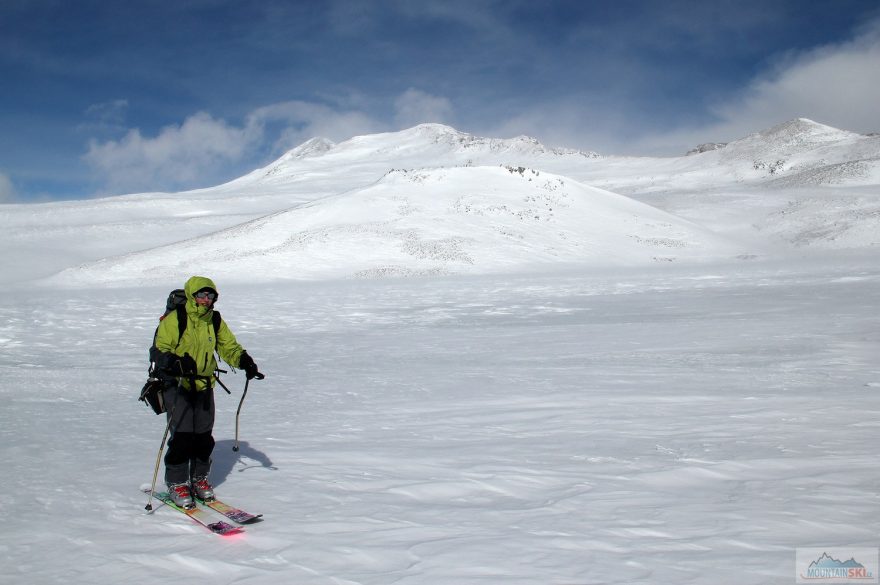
{"x":429,"y":221}
{"x":802,"y":152}
{"x":431,"y":200}
{"x":433,"y":145}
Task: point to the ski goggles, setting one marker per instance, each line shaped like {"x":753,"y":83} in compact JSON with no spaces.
{"x":202,"y":295}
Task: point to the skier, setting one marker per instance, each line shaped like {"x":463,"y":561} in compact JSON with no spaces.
{"x":187,"y":366}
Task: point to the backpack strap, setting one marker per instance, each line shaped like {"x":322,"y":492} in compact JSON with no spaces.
{"x":181,"y":322}
{"x":216,"y":319}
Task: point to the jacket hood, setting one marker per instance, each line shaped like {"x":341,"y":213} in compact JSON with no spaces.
{"x":194,"y":285}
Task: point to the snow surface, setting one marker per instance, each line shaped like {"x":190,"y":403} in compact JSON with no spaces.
{"x":599,"y":370}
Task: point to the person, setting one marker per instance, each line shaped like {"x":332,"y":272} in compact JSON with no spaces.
{"x":187,"y":366}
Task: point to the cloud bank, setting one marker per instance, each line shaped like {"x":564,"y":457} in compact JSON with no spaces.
{"x":416,"y":107}
{"x":7,"y":189}
{"x":833,"y":84}
{"x":837,"y":85}
{"x":178,"y":155}
{"x":203,"y":147}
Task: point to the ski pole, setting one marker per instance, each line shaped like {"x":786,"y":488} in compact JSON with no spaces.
{"x":258,"y":376}
{"x":149,"y":505}
{"x":238,"y":412}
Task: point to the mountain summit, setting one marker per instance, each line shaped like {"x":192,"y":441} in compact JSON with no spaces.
{"x":795,"y":137}
{"x":434,"y":145}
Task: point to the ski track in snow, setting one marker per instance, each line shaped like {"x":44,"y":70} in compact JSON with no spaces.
{"x":684,"y":425}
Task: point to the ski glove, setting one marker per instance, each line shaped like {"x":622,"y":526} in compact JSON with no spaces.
{"x":246,"y":363}
{"x":182,"y":365}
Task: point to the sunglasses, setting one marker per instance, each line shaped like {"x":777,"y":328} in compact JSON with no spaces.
{"x":205,"y":295}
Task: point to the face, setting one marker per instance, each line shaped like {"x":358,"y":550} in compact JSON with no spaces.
{"x":205,"y":299}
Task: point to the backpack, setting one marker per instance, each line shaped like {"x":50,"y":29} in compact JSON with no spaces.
{"x":177,"y":302}
{"x":151,"y":393}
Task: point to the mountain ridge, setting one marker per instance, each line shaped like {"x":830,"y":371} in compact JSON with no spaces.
{"x":786,"y":149}
{"x":817,"y":194}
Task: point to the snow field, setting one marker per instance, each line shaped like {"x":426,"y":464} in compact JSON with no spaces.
{"x":672,"y":425}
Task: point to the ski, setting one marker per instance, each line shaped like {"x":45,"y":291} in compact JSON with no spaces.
{"x":200,"y":515}
{"x":236,"y":515}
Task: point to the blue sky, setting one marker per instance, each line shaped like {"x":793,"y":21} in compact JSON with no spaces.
{"x":101,"y":97}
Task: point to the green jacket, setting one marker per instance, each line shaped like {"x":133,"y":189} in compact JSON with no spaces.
{"x":198,"y":338}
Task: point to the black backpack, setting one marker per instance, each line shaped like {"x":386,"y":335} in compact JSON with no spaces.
{"x":177,"y":302}
{"x":151,"y":393}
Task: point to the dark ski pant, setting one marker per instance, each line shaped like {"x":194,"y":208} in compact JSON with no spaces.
{"x":192,"y":421}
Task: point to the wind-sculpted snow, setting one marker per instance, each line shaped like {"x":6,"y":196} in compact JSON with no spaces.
{"x":676,"y":424}
{"x":832,"y":219}
{"x":428,"y":221}
{"x":854,"y":172}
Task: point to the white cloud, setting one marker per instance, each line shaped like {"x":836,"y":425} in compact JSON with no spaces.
{"x":569,"y":122}
{"x":836,"y":85}
{"x":7,"y":189}
{"x":301,"y":121}
{"x":840,"y":86}
{"x":176,"y":157}
{"x":201,"y":150}
{"x":415,"y":107}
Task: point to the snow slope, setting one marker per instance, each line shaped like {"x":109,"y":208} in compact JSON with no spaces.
{"x":430,"y":221}
{"x":600,"y":369}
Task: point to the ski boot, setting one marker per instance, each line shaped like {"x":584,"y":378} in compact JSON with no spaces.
{"x":202,"y":489}
{"x":199,"y":469}
{"x":181,"y":495}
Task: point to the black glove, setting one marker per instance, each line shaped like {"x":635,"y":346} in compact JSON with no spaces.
{"x":182,"y":365}
{"x":246,"y":363}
